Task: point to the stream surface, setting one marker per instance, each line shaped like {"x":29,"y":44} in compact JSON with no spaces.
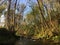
{"x":32,"y":42}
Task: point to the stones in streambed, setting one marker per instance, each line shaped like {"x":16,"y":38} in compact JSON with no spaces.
{"x":6,"y":36}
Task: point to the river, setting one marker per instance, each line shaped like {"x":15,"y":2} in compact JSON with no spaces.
{"x":33,"y":42}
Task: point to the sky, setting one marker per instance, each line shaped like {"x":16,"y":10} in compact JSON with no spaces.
{"x":27,"y":7}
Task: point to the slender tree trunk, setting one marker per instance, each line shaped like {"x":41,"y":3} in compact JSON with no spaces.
{"x":13,"y":18}
{"x":44,"y":22}
{"x":41,"y":19}
{"x":8,"y":15}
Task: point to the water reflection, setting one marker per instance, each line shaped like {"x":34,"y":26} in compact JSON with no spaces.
{"x":33,"y":42}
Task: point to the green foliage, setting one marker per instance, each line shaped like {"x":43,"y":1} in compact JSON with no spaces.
{"x":56,"y":38}
{"x":2,"y":8}
{"x":34,"y":17}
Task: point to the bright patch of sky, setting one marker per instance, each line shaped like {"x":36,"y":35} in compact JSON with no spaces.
{"x":27,"y":9}
{"x":22,"y":1}
{"x":25,"y":2}
{"x":2,"y":20}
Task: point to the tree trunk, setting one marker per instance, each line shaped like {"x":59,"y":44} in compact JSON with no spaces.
{"x":8,"y":15}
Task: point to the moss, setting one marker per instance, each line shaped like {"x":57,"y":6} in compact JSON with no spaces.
{"x":56,"y":39}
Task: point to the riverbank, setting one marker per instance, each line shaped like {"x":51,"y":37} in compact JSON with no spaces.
{"x":6,"y":37}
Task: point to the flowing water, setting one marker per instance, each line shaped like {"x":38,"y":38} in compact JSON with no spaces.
{"x":32,"y":42}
